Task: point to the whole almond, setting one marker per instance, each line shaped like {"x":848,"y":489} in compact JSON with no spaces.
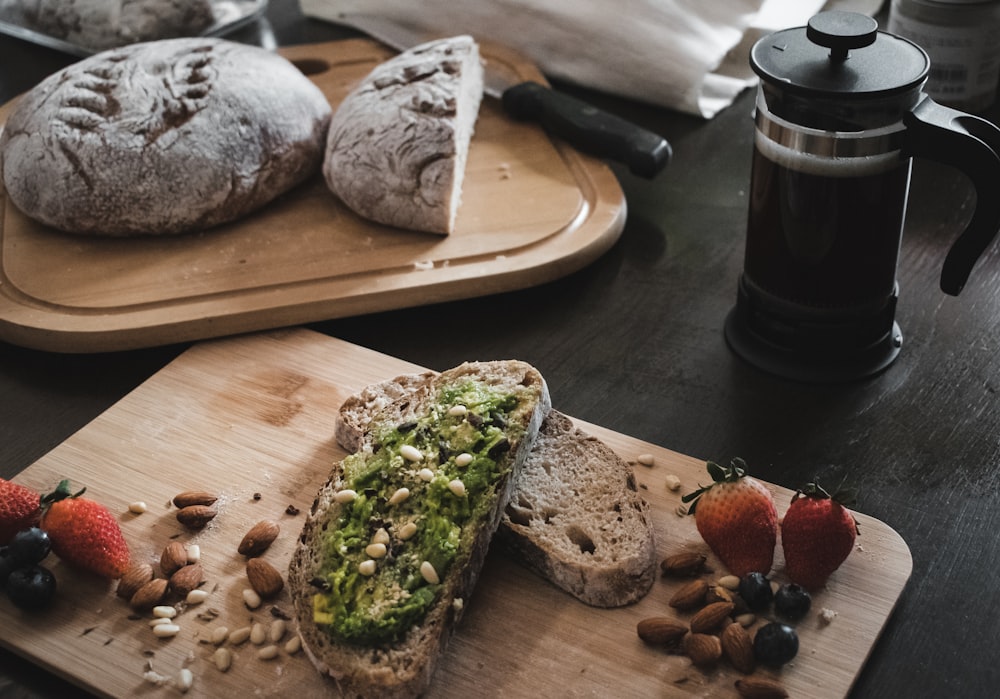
{"x":194,"y":497}
{"x":703,"y":649}
{"x":196,"y":516}
{"x":264,"y":578}
{"x":737,"y":646}
{"x":684,"y":564}
{"x":187,"y":578}
{"x":259,"y":538}
{"x":135,"y":577}
{"x":660,"y":630}
{"x":711,"y":617}
{"x":690,"y":596}
{"x":756,"y":687}
{"x":149,"y":595}
{"x":173,"y":557}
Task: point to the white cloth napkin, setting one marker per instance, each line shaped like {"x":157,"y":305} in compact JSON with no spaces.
{"x":689,"y":55}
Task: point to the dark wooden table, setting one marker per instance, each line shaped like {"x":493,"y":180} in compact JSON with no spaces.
{"x":634,"y":342}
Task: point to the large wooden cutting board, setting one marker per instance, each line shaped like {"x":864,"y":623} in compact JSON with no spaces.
{"x":533,"y":210}
{"x":254,"y":414}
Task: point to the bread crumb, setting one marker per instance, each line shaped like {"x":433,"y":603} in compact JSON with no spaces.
{"x":645,"y":459}
{"x":423,"y":264}
{"x":673,"y":483}
{"x":826,"y":616}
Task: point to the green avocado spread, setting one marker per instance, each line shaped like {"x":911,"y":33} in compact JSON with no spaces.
{"x":384,"y":555}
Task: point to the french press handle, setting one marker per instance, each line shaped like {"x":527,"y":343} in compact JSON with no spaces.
{"x":972,"y":145}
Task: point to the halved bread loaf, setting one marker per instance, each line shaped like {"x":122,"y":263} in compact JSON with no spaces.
{"x":576,"y":517}
{"x":396,"y":539}
{"x":398,"y":143}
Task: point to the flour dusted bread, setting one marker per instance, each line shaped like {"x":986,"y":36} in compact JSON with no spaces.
{"x":398,"y":143}
{"x":395,"y":540}
{"x":162,"y":137}
{"x":104,"y":24}
{"x":576,"y":516}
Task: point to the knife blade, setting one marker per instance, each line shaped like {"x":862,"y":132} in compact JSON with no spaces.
{"x":582,"y":125}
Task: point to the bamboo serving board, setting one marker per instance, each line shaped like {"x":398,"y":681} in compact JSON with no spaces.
{"x":532,"y":210}
{"x":254,"y":415}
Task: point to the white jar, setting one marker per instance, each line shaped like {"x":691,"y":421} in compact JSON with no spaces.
{"x":962,"y":38}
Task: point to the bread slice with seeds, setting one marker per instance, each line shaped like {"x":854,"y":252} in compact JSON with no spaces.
{"x":396,"y":538}
{"x":576,"y":518}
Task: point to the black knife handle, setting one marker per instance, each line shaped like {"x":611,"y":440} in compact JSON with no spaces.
{"x":588,"y":128}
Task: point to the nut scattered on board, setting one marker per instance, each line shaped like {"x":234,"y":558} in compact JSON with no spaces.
{"x":259,"y":538}
{"x":187,"y":578}
{"x":757,"y":687}
{"x":264,"y":578}
{"x":684,"y":564}
{"x":690,"y":595}
{"x":194,"y":497}
{"x":135,"y":577}
{"x":173,"y":558}
{"x":737,"y":646}
{"x":711,"y":617}
{"x":149,"y":595}
{"x":196,"y":516}
{"x":660,"y":630}
{"x":703,"y":649}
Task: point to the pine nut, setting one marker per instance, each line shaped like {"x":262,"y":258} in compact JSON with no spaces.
{"x":730,"y":582}
{"x":457,"y":410}
{"x":463,"y":459}
{"x":673,"y":483}
{"x":193,"y":553}
{"x":223,"y":659}
{"x":457,"y":488}
{"x":277,"y":631}
{"x":399,"y":496}
{"x":251,"y":599}
{"x":164,"y":611}
{"x":344,"y":496}
{"x":426,"y":475}
{"x":376,"y":550}
{"x":166,"y":630}
{"x":268,"y":653}
{"x":219,"y":635}
{"x":196,"y":596}
{"x":410,"y":453}
{"x":258,"y":634}
{"x":367,"y":567}
{"x":293,"y":645}
{"x":157,"y":621}
{"x":184,"y":680}
{"x":645,"y":459}
{"x":381,"y":536}
{"x":240,"y":635}
{"x":407,"y":531}
{"x":137,"y":508}
{"x":428,"y":573}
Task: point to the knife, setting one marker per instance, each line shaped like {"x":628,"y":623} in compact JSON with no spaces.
{"x":580,"y":124}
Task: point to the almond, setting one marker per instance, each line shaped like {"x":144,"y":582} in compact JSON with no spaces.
{"x":264,"y":578}
{"x":135,"y":577}
{"x":737,"y":646}
{"x":186,"y":579}
{"x":149,"y":595}
{"x":717,"y":593}
{"x":684,"y":564}
{"x":703,"y":649}
{"x":194,"y":497}
{"x":660,"y":630}
{"x":710,"y":618}
{"x":756,"y":687}
{"x":173,"y":558}
{"x":259,"y":538}
{"x":690,"y":596}
{"x":196,"y":516}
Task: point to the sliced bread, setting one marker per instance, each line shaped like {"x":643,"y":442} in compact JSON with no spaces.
{"x":395,"y":540}
{"x":576,"y":517}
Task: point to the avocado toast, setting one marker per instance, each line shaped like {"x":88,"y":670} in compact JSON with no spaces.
{"x":397,"y":537}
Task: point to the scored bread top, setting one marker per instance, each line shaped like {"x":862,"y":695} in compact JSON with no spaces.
{"x":576,"y":517}
{"x":344,"y":615}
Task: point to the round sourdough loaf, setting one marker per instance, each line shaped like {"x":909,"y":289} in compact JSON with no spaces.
{"x":398,"y":142}
{"x":104,"y":24}
{"x":162,"y":137}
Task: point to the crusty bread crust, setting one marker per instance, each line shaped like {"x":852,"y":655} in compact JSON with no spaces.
{"x":405,"y":668}
{"x":576,"y":517}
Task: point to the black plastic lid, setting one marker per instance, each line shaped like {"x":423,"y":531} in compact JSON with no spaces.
{"x":840,"y":55}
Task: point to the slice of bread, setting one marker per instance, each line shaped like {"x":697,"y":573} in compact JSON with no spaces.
{"x":576,"y":518}
{"x":346,"y":594}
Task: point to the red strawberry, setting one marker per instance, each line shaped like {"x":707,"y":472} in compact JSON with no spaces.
{"x":736,"y":517}
{"x":19,"y":509}
{"x":84,"y":532}
{"x":817,"y":535}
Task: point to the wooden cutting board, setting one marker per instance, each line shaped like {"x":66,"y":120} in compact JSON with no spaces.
{"x":254,"y":415}
{"x":533,"y":210}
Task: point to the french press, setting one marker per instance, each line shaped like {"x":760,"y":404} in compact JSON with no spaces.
{"x":840,"y":113}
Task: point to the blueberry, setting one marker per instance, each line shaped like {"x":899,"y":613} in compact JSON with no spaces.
{"x":775,"y":644}
{"x":30,"y":546}
{"x":792,"y":601}
{"x":32,"y":587}
{"x":7,"y":564}
{"x":755,"y":589}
